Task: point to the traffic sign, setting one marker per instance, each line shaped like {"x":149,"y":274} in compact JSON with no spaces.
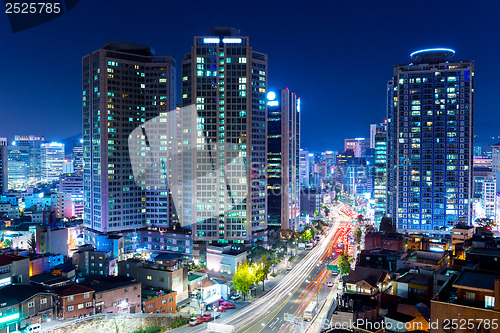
{"x":289,"y":317}
{"x":333,"y":268}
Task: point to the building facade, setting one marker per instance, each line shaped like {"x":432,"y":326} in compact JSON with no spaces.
{"x":226,"y":80}
{"x":283,"y":159}
{"x":52,"y":160}
{"x":124,"y":85}
{"x":430,"y":141}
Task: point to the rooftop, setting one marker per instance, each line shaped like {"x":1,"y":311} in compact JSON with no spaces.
{"x":110,"y":283}
{"x":476,"y":280}
{"x":7,"y":259}
{"x":20,"y":293}
{"x":432,"y":56}
{"x":149,"y":293}
{"x":74,"y":289}
{"x":414,"y":279}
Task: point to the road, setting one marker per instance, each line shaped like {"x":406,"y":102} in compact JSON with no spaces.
{"x":305,"y":282}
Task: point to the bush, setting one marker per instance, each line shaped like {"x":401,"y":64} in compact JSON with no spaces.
{"x":150,"y":329}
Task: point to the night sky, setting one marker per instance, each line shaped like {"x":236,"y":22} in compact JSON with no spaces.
{"x":336,"y":55}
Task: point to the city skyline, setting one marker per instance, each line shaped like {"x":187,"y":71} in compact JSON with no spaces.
{"x":325,"y":100}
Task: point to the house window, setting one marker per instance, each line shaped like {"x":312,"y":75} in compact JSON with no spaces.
{"x":470,"y":296}
{"x":126,"y":290}
{"x":99,"y":296}
{"x":70,"y":298}
{"x":88,"y":305}
{"x":164,"y":301}
{"x":171,"y":309}
{"x":70,"y":308}
{"x":135,"y":287}
{"x":86,"y":295}
{"x":43,"y":301}
{"x":80,"y":306}
{"x":31,"y":304}
{"x":489,"y":302}
{"x":149,"y":277}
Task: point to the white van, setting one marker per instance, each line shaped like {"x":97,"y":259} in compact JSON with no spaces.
{"x":33,"y":328}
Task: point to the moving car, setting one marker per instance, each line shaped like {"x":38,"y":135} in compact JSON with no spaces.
{"x":207,"y":316}
{"x":225,"y":305}
{"x":195,"y":321}
{"x":288,"y":268}
{"x":235,"y":297}
{"x":330,"y":284}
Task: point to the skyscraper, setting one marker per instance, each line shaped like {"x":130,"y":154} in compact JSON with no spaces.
{"x":380,"y":174}
{"x":124,"y":85}
{"x":430,"y":141}
{"x":227,"y":81}
{"x":17,"y":166}
{"x":34,"y":143}
{"x":283,"y":159}
{"x":52,"y":160}
{"x":3,"y":165}
{"x":305,"y":169}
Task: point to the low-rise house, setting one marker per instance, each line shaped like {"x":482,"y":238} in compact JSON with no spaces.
{"x":75,"y":301}
{"x":224,"y":259}
{"x":14,"y":269}
{"x":23,"y":305}
{"x":414,"y":285}
{"x":389,"y":241}
{"x":91,"y":262}
{"x":429,"y":259}
{"x":367,"y":281}
{"x":43,"y":263}
{"x":159,"y":301}
{"x":473,"y":295}
{"x":157,"y":276}
{"x":116,"y":294}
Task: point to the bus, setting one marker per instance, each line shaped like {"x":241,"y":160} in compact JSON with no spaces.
{"x":310,"y":311}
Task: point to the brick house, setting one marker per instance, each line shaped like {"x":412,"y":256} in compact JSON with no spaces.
{"x":116,"y":294}
{"x":75,"y":301}
{"x":159,"y":301}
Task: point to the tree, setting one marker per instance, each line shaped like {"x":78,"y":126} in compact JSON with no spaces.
{"x":327,"y":211}
{"x":7,"y":243}
{"x":243,"y":278}
{"x":316,"y":212}
{"x":357,"y":235}
{"x":306,"y":235}
{"x":32,"y":243}
{"x":262,"y":270}
{"x":345,"y":263}
{"x":386,"y":225}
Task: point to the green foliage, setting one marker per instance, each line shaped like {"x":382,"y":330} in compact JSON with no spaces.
{"x":7,"y":243}
{"x":243,"y":278}
{"x":178,"y":322}
{"x":32,"y":243}
{"x":306,"y":235}
{"x":316,"y":212}
{"x":262,"y":269}
{"x":150,"y":329}
{"x":357,"y":235}
{"x":345,"y":263}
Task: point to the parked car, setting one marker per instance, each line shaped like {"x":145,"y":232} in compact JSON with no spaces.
{"x":330,"y":284}
{"x":288,"y":268}
{"x":235,"y":297}
{"x":34,"y":328}
{"x":195,"y":321}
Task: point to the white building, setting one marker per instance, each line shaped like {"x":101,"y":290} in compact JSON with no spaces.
{"x":52,"y":160}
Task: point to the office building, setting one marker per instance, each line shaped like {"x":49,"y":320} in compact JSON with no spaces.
{"x":305,"y":169}
{"x":4,"y":180}
{"x":17,"y":166}
{"x":226,"y":80}
{"x":52,"y":161}
{"x":77,"y":155}
{"x":33,"y":144}
{"x":124,"y":85}
{"x":430,"y":141}
{"x":358,"y":145}
{"x":380,"y":172}
{"x":283,"y":154}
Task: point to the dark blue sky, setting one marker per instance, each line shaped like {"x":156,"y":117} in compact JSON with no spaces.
{"x":336,"y":55}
